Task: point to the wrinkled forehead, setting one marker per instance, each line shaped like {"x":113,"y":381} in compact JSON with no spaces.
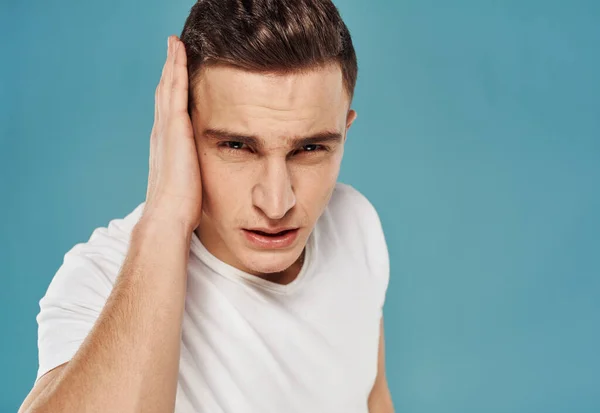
{"x":224,"y":94}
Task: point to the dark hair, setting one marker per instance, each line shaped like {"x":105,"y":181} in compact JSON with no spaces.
{"x":268,"y":36}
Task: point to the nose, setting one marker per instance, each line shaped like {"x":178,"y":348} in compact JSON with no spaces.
{"x":273,"y":194}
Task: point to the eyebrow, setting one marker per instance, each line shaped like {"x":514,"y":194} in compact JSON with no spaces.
{"x":255,"y":142}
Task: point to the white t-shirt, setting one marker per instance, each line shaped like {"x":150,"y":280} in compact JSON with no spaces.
{"x":248,"y":344}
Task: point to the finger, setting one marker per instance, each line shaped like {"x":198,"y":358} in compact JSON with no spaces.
{"x":156,"y":91}
{"x":164,"y":90}
{"x":165,"y":66}
{"x":179,"y":85}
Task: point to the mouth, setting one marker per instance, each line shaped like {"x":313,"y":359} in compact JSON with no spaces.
{"x":271,"y":233}
{"x":271,"y":239}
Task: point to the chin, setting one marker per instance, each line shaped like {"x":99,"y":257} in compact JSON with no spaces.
{"x":269,"y":262}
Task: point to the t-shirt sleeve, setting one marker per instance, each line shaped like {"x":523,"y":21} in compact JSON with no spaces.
{"x":378,"y":254}
{"x":373,"y":238}
{"x":76,"y":295}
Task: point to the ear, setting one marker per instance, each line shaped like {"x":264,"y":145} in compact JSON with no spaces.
{"x":351,"y":117}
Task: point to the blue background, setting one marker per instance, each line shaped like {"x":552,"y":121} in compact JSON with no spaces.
{"x":478,"y":140}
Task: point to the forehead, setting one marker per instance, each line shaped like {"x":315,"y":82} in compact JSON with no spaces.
{"x":227,"y":97}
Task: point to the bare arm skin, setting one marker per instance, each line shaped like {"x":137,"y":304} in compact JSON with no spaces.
{"x":40,"y":387}
{"x":380,"y":399}
{"x":129,"y":361}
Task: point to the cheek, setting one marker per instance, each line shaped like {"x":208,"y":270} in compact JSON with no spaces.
{"x":315,"y":184}
{"x":225,"y":187}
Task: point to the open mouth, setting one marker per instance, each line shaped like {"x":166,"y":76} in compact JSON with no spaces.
{"x":269,"y":240}
{"x":267,"y":234}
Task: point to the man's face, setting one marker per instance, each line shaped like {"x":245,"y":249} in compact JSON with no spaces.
{"x":270,"y":148}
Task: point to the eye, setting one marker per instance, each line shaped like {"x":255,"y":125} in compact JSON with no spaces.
{"x":234,"y":148}
{"x":233,"y":145}
{"x":311,"y":148}
{"x":309,"y":151}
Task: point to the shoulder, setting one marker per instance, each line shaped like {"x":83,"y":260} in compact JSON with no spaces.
{"x":110,"y":241}
{"x":93,"y":265}
{"x":350,"y":208}
{"x":351,"y":229}
{"x":79,"y":289}
{"x":355,"y":223}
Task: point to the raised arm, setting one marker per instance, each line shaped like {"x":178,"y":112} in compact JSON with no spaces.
{"x":129,"y":360}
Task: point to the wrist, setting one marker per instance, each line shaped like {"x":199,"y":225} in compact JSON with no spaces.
{"x":166,"y":218}
{"x":153,"y":224}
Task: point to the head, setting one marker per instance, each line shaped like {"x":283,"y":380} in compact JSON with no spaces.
{"x":271,"y":82}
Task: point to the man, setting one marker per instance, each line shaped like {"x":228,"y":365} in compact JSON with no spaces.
{"x":248,"y":280}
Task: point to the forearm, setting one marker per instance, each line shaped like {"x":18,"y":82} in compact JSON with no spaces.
{"x":129,"y":360}
{"x":380,"y":399}
{"x":381,"y":403}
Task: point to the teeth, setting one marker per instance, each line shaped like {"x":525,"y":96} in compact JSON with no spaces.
{"x":269,"y":234}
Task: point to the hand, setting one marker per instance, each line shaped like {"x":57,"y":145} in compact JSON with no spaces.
{"x":174,"y":187}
